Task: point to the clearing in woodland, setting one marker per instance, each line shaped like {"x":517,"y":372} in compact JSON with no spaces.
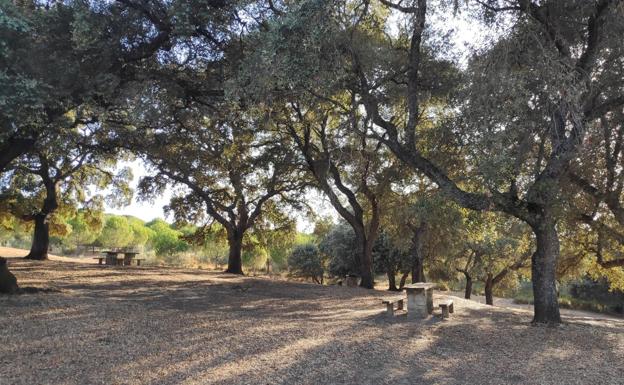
{"x":175,"y":326}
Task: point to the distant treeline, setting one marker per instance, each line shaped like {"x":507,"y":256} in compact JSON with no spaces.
{"x":160,"y":241}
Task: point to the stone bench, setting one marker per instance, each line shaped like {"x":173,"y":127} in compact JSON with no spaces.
{"x":390,"y":305}
{"x":119,"y":261}
{"x":446,"y":307}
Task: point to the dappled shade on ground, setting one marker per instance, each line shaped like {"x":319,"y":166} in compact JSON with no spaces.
{"x":171,"y":326}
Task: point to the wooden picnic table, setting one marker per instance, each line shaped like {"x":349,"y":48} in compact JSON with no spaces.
{"x":419,"y":299}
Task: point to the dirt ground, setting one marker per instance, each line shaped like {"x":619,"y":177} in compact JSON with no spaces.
{"x":143,"y":325}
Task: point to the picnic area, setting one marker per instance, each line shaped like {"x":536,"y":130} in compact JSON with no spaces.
{"x":307,"y":192}
{"x":149,"y":325}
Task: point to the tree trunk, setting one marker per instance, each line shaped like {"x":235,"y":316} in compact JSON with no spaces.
{"x":8,"y":282}
{"x":365,"y":258}
{"x":392,"y":281}
{"x":41,"y":236}
{"x":468,"y":288}
{"x":403,"y":280}
{"x":235,"y":261}
{"x":543,"y":272}
{"x":418,"y":271}
{"x":391,"y":273}
{"x":418,"y":268}
{"x":366,"y":266}
{"x":489,"y":285}
{"x":41,"y":239}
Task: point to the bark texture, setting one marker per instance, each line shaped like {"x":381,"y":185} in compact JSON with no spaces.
{"x":418,"y":259}
{"x":392,"y":281}
{"x":543,"y":270}
{"x":489,"y":286}
{"x":41,"y":239}
{"x":235,"y":260}
{"x":468,"y":288}
{"x":366,"y":263}
{"x":8,"y":282}
{"x":41,"y":235}
{"x":403,"y":280}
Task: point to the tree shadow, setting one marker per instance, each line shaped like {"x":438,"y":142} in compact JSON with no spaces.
{"x":209,"y":329}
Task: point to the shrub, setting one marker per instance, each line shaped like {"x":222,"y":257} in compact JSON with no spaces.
{"x":255,"y":259}
{"x":341,"y":248}
{"x":443,"y":286}
{"x":165,"y":240}
{"x":305,"y":261}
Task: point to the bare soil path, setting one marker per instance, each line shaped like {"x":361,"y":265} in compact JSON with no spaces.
{"x":142,"y":325}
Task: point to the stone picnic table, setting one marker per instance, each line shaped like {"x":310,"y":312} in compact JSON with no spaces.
{"x":419,"y":299}
{"x":113,"y":258}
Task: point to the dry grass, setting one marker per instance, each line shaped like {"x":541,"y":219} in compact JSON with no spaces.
{"x":10,"y":252}
{"x":143,"y":325}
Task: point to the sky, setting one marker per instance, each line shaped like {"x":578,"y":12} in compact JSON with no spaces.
{"x":464,"y":36}
{"x":143,"y":210}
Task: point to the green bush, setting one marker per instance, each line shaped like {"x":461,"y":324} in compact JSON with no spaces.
{"x":305,"y":261}
{"x":341,"y":248}
{"x":569,"y":302}
{"x":255,"y":259}
{"x":166,"y":241}
{"x":443,"y":286}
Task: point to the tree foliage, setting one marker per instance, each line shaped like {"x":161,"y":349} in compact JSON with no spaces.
{"x":306,"y":261}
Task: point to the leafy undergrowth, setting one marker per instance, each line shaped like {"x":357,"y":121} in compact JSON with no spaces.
{"x":569,"y":302}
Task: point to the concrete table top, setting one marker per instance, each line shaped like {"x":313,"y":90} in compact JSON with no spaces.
{"x":420,"y":285}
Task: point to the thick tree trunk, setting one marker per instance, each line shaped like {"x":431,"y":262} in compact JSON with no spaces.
{"x":8,"y":282}
{"x":489,"y":286}
{"x":235,"y":261}
{"x":365,"y":258}
{"x":366,"y":266}
{"x":41,"y":239}
{"x":543,"y":271}
{"x":41,"y":236}
{"x":468,"y":288}
{"x":418,"y":266}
